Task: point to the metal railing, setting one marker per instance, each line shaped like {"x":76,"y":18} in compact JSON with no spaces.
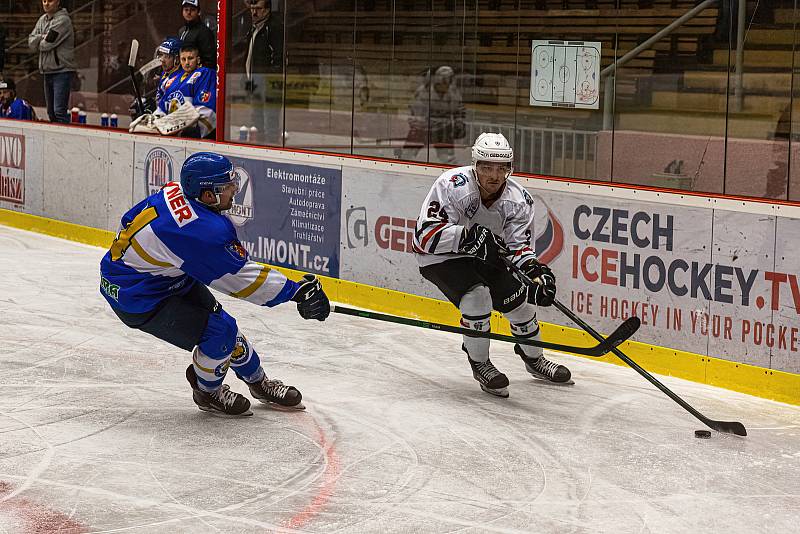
{"x":551,"y":151}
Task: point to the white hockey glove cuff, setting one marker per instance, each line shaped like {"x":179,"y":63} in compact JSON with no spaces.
{"x":143,"y":124}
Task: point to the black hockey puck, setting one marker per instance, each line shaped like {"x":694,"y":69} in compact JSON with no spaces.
{"x":704,"y":434}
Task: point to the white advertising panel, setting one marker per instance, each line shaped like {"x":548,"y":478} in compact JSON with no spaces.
{"x":21,"y":170}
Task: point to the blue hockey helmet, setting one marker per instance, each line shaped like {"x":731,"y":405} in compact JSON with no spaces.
{"x":171,"y":46}
{"x":206,"y":171}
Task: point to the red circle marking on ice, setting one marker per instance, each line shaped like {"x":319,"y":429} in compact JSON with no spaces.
{"x":35,"y":518}
{"x":329,"y":477}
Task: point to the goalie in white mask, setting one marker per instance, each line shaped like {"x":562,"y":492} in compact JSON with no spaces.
{"x":469,"y":217}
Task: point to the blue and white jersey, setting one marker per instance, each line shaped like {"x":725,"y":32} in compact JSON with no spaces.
{"x":18,"y":109}
{"x":164,"y":83}
{"x":168,"y":242}
{"x":198,"y":88}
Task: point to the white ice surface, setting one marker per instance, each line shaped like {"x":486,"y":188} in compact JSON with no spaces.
{"x":98,"y":431}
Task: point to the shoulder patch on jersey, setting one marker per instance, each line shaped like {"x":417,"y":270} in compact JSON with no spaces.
{"x":236,"y":250}
{"x":458,"y":180}
{"x":205,"y":96}
{"x":178,"y":206}
{"x":528,"y":197}
{"x":193,"y":78}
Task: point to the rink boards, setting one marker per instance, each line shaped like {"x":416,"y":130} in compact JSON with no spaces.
{"x":715,"y":281}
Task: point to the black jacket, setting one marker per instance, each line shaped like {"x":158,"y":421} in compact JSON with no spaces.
{"x":267,"y":48}
{"x":199,"y":35}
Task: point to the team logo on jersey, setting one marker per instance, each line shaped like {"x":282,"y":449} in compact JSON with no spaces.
{"x":549,"y":238}
{"x":458,"y":180}
{"x":241,"y":350}
{"x":472,"y":209}
{"x":193,"y":78}
{"x":242,"y":209}
{"x":236,"y":250}
{"x":157,"y":170}
{"x":175,"y":96}
{"x":205,"y":96}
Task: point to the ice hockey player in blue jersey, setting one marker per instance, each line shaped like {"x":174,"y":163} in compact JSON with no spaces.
{"x":174,"y":244}
{"x":471,"y":216}
{"x":12,"y":107}
{"x":193,"y":84}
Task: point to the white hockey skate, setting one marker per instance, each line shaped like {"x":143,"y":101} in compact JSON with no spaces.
{"x":544,"y":369}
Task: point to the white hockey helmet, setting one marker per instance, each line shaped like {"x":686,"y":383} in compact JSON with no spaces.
{"x":492,"y":147}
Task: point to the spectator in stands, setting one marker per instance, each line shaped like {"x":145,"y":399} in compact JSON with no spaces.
{"x":437,"y":117}
{"x":54,"y":39}
{"x":263,"y":71}
{"x":195,"y":33}
{"x":12,"y":107}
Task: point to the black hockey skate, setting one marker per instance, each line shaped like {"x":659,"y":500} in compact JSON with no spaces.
{"x":544,"y":369}
{"x":223,"y":401}
{"x":490,"y":379}
{"x":276,"y":394}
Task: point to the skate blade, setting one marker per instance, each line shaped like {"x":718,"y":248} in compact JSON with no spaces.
{"x":218,"y":413}
{"x":281,"y":408}
{"x":541,"y":378}
{"x":501,"y":392}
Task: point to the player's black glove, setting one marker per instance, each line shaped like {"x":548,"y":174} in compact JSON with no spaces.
{"x":543,"y":291}
{"x":312,"y":302}
{"x":480,"y":242}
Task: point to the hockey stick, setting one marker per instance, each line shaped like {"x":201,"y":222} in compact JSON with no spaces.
{"x":132,"y":68}
{"x":729,"y":427}
{"x":619,"y":335}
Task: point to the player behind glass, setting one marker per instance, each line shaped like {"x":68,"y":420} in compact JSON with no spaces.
{"x":458,"y":241}
{"x":174,"y":244}
{"x":194,"y":84}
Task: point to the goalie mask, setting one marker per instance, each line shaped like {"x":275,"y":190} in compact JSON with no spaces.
{"x":492,"y":161}
{"x":207,"y":171}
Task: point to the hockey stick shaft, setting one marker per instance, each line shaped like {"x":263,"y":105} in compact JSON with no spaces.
{"x":597,"y":350}
{"x":132,"y":68}
{"x":730,"y":427}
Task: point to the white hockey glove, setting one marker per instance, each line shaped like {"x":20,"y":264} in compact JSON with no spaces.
{"x":177,"y":121}
{"x":144,"y":124}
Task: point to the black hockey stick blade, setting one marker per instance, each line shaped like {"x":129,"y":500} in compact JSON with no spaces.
{"x":622,"y":333}
{"x":597,"y":350}
{"x":727,"y":427}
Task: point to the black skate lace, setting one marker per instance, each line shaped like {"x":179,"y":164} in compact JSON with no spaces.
{"x":487,"y":369}
{"x":225,"y":396}
{"x":276,"y":388}
{"x":546,"y":367}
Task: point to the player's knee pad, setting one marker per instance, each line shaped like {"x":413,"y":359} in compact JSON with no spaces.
{"x":219,"y":337}
{"x":244,"y":360}
{"x":476,"y":314}
{"x":524,"y":325}
{"x":210,"y":371}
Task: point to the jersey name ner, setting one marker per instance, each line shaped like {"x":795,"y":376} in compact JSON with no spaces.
{"x":180,"y":209}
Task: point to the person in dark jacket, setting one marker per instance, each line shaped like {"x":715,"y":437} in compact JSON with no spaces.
{"x":54,"y":39}
{"x":263,"y":55}
{"x":3,"y":34}
{"x":195,"y":33}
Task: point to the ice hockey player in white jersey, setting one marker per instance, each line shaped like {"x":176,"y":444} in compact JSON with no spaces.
{"x":467,"y":216}
{"x":174,"y":244}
